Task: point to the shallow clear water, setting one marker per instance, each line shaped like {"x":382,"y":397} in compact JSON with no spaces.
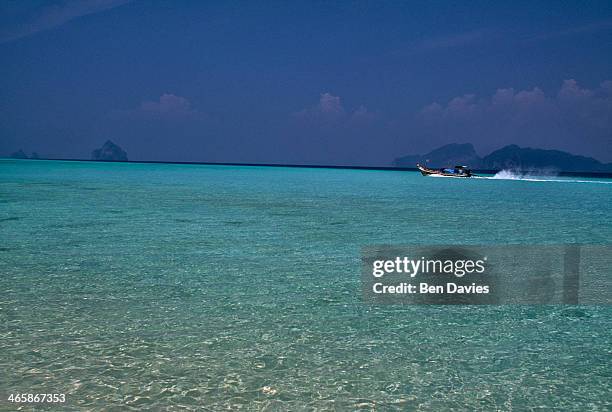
{"x":159,"y":286}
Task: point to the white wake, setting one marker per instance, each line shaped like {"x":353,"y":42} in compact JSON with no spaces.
{"x":512,"y":175}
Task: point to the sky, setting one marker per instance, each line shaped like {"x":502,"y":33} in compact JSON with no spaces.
{"x":337,"y":83}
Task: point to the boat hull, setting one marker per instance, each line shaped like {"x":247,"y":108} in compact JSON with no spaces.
{"x":425,"y":171}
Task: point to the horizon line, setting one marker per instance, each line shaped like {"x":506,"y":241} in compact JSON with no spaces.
{"x":305,"y":166}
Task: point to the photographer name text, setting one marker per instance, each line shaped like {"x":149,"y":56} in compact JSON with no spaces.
{"x":432,"y":267}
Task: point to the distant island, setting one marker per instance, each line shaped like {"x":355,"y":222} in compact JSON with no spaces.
{"x":508,"y":157}
{"x":109,"y":152}
{"x":20,"y":154}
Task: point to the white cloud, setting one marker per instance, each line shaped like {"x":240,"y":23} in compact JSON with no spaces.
{"x":168,"y":104}
{"x":169,"y":108}
{"x":575,"y":118}
{"x":330,"y":104}
{"x":329,"y":110}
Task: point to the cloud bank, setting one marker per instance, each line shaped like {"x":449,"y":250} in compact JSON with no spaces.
{"x":330,"y":110}
{"x":574,"y":118}
{"x":330,"y":133}
{"x":168,"y":105}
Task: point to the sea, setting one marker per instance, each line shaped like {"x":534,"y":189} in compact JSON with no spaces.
{"x":140,"y":286}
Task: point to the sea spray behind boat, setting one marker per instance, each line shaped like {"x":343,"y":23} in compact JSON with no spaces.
{"x":530,"y":177}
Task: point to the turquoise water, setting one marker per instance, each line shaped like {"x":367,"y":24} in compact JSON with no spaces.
{"x":158,"y":286}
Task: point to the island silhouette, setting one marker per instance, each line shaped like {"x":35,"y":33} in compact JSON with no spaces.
{"x":512,"y":157}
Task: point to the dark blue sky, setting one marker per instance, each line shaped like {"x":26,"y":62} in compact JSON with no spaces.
{"x":309,"y":82}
